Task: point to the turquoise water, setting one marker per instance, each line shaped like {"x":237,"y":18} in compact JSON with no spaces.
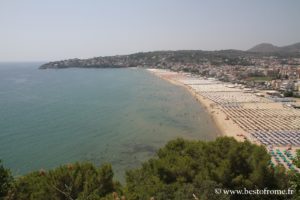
{"x":121,"y":116}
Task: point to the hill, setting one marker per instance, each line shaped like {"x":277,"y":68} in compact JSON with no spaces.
{"x":156,"y":59}
{"x":292,"y":48}
{"x":269,"y":48}
{"x":264,"y":47}
{"x":167,"y":59}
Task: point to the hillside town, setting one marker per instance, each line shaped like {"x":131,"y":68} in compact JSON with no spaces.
{"x":267,"y":73}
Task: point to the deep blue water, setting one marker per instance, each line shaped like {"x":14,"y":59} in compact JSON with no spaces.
{"x":121,"y":116}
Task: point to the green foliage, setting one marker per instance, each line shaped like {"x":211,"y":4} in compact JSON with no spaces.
{"x":295,"y":181}
{"x":5,"y":181}
{"x":184,"y":168}
{"x":295,"y":184}
{"x":79,"y":181}
{"x":260,"y":78}
{"x":288,"y":93}
{"x":297,"y":159}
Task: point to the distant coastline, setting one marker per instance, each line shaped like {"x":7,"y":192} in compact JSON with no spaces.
{"x":187,"y":58}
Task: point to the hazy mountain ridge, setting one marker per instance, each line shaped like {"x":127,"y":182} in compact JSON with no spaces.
{"x":267,"y":48}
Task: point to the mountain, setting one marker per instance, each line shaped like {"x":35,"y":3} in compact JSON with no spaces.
{"x":270,"y":48}
{"x":292,"y":48}
{"x":264,"y":47}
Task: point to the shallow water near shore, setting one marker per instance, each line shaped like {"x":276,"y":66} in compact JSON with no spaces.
{"x":121,"y":116}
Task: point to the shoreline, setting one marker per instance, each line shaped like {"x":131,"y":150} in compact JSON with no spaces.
{"x":225,"y":126}
{"x":245,"y":116}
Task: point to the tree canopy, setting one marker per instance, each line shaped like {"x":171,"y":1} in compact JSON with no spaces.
{"x":80,"y":181}
{"x":182,"y":170}
{"x":5,"y":181}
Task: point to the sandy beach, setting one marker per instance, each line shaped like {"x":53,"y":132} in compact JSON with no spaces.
{"x":239,"y":113}
{"x":226,"y":126}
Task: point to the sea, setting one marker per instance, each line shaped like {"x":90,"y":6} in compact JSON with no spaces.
{"x":119,"y":116}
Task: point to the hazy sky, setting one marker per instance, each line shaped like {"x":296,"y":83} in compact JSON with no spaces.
{"x":44,"y":30}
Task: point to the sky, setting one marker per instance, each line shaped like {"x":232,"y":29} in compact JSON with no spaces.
{"x":47,"y":30}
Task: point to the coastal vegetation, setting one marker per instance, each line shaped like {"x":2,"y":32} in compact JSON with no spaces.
{"x":181,"y":170}
{"x":5,"y":181}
